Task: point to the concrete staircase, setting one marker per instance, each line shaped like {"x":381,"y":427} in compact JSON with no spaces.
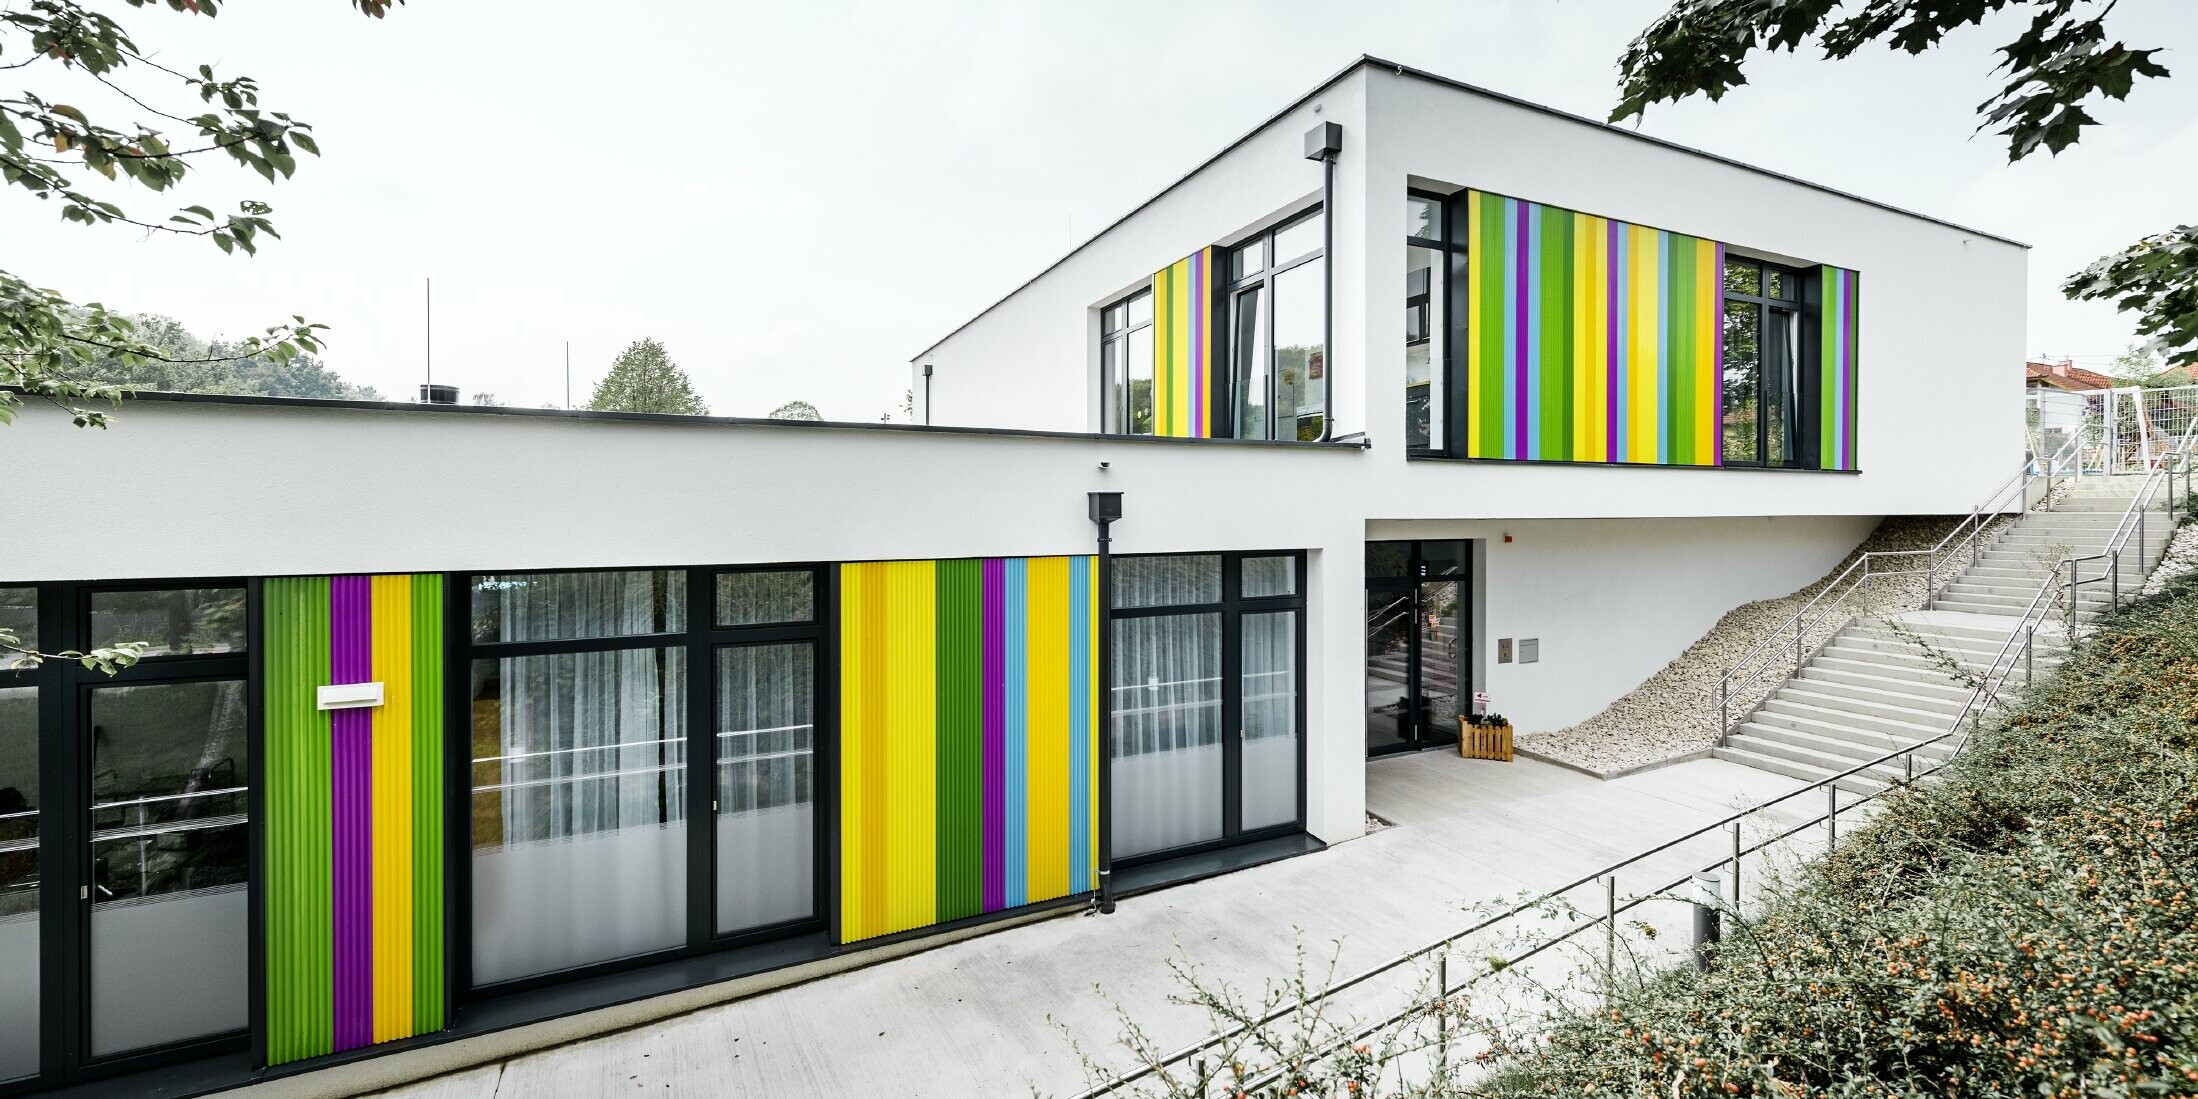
{"x":1882,"y":683}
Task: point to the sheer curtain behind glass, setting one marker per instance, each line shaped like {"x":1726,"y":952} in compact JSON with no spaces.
{"x":766,"y":785}
{"x":1270,"y":720}
{"x":579,"y":775}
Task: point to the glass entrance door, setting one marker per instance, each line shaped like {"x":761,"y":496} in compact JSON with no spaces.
{"x":1418,"y":656}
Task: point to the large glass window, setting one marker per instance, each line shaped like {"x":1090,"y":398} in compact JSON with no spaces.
{"x":1278,"y":326}
{"x":172,"y":621}
{"x":766,"y":785}
{"x":579,"y":808}
{"x":1204,"y":700}
{"x":1126,"y":366}
{"x":168,"y":864}
{"x":1424,"y":374}
{"x":1763,"y":394}
{"x":19,"y":1024}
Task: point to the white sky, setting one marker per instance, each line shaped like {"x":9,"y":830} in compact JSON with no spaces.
{"x":797,"y":197}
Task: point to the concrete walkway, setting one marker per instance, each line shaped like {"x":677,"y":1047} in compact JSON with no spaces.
{"x":977,"y":1017}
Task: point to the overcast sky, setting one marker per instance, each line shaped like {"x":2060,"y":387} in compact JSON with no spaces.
{"x":795,"y":198}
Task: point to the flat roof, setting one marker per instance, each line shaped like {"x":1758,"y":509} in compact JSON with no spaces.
{"x":1365,"y":60}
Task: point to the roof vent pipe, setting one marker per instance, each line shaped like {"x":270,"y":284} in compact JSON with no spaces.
{"x":438,"y":394}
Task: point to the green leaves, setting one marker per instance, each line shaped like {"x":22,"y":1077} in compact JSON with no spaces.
{"x":17,"y":657}
{"x":2155,"y":278}
{"x":644,"y":379}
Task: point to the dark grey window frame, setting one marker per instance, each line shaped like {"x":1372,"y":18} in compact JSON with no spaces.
{"x":1232,"y":608}
{"x":1799,"y":407}
{"x":1114,"y":416}
{"x":1233,"y":289}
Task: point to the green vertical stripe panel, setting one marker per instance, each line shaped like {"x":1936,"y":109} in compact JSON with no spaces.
{"x":960,"y":734}
{"x":1827,"y":387}
{"x":296,"y":822}
{"x":1556,"y":333}
{"x":1489,"y":327}
{"x":1679,"y":315}
{"x":427,"y":803}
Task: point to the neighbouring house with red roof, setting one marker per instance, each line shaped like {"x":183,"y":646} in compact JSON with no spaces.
{"x":2063,"y":374}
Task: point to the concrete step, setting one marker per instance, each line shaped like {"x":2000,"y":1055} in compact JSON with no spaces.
{"x":1818,"y":677}
{"x":1745,"y":751}
{"x":1922,"y":709}
{"x":2012,"y":595}
{"x":1909,"y":663}
{"x":1854,"y":749}
{"x":1837,"y":724}
{"x":1980,"y":650}
{"x":2083,"y":614}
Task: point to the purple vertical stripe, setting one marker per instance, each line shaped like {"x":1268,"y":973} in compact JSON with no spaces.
{"x":995,"y":734}
{"x":1198,"y":345}
{"x":1519,"y":332}
{"x":351,"y":661}
{"x":1614,"y":323}
{"x":1845,"y":367}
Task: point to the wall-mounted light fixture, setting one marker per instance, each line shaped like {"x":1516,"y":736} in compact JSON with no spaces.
{"x":927,"y":394}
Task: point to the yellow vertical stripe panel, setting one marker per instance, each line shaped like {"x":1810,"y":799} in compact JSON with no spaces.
{"x":1473,"y":267}
{"x":390,"y":782}
{"x":1582,"y":406}
{"x":1185,"y":327}
{"x":853,"y":735}
{"x":1641,"y":426}
{"x":1163,"y":382}
{"x":1708,"y":296}
{"x":911,"y":748}
{"x":1047,"y":719}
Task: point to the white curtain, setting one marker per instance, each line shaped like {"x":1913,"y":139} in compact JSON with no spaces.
{"x":766,"y":793}
{"x":1270,"y":720}
{"x":580,"y":801}
{"x":1167,"y":732}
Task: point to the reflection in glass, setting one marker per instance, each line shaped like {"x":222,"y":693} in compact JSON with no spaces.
{"x":1167,"y":581}
{"x":1269,"y":715}
{"x":579,"y":808}
{"x":1782,"y":381}
{"x":1140,"y":360}
{"x":174,"y":622}
{"x":765,"y":598}
{"x":1441,"y":658}
{"x":1743,"y":409}
{"x":1113,"y":385}
{"x":168,"y":863}
{"x":1300,"y":352}
{"x":1301,"y":238}
{"x":1422,"y":218}
{"x":766,"y":785}
{"x":19,"y":1028}
{"x":1250,"y":386}
{"x":1388,"y":675}
{"x":1166,"y":743}
{"x":19,"y":615}
{"x":1423,"y":324}
{"x":1743,"y":277}
{"x":1266,"y":576}
{"x":1388,"y":558}
{"x":1248,"y":260}
{"x":550,"y":606}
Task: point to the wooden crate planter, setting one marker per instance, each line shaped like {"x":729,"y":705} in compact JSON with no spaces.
{"x":1484,"y":741}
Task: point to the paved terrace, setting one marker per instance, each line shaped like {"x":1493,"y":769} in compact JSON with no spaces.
{"x":971,"y":1018}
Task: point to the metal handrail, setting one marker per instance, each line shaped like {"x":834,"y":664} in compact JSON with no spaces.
{"x":2165,"y":466}
{"x":1981,"y":698}
{"x":1753,"y":665}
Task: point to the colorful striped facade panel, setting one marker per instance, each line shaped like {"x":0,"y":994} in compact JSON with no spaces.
{"x":352,"y":819}
{"x":1590,"y":340}
{"x":1836,"y":379}
{"x":968,"y":746}
{"x":1182,"y":347}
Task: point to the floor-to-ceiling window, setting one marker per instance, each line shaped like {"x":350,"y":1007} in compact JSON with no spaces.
{"x":1427,"y":261}
{"x":1278,"y":333}
{"x":1206,"y":700}
{"x":579,"y":759}
{"x":1763,"y":390}
{"x":124,"y":828}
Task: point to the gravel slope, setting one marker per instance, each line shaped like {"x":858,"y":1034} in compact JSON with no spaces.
{"x":1672,"y":714}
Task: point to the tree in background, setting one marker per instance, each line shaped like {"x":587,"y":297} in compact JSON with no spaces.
{"x":796,"y":410}
{"x":188,"y":364}
{"x":644,"y":379}
{"x":2060,"y":62}
{"x":64,"y":47}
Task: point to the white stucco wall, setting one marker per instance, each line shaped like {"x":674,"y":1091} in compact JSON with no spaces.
{"x":1613,"y":601}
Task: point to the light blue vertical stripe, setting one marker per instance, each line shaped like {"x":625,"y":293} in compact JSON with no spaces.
{"x":1082,"y":696}
{"x":1016,"y":820}
{"x":1512,"y":335}
{"x":1663,"y":348}
{"x":1533,"y":334}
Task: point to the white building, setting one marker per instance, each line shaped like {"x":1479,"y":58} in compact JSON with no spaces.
{"x":1415,"y":391}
